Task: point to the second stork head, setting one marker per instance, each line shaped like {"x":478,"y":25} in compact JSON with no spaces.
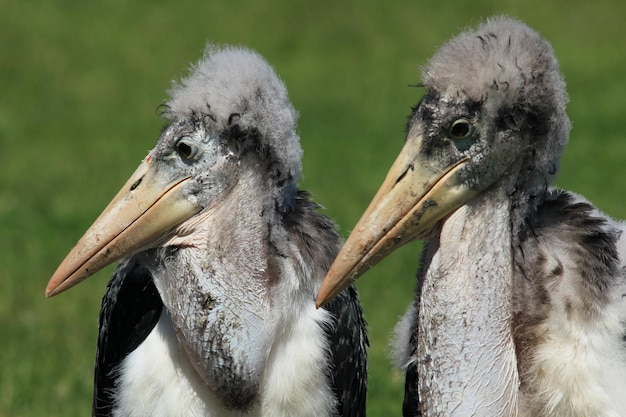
{"x":493,"y":115}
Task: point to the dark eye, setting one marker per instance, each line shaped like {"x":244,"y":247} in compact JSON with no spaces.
{"x":186,"y":148}
{"x":460,"y":129}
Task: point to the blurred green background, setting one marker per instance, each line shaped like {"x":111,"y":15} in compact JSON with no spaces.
{"x":80,"y":82}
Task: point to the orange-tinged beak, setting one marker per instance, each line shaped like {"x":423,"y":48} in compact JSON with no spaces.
{"x":414,"y":197}
{"x":147,"y":206}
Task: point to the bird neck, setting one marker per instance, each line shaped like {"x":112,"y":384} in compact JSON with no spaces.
{"x":239,"y":290}
{"x":215,"y":278}
{"x":465,"y":353}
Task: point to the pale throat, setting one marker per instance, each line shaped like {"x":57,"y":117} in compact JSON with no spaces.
{"x":466,"y":355}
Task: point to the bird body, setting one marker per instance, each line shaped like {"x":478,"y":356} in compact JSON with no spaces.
{"x":574,"y":357}
{"x":540,"y":343}
{"x":158,"y":379}
{"x":211,"y":311}
{"x":520,"y":306}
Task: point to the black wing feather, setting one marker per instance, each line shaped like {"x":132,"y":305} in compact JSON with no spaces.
{"x":130,"y":309}
{"x":348,"y":344}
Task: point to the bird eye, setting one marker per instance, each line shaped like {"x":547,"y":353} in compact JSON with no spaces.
{"x":460,"y":129}
{"x":186,"y":148}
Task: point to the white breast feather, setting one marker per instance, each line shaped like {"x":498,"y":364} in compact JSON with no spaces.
{"x":297,"y":387}
{"x":157,"y":379}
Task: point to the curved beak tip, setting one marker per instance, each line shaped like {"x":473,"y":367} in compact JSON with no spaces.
{"x":49,"y":290}
{"x":59,"y":284}
{"x":56,"y":283}
{"x":330,"y":288}
{"x":322,"y":298}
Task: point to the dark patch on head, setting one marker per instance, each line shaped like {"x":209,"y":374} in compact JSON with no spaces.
{"x":246,"y":140}
{"x":510,"y":118}
{"x":434,"y":117}
{"x":517,"y":117}
{"x":243,"y":141}
{"x":539,"y":122}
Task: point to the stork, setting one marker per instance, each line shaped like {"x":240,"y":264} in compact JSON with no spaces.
{"x":212,"y":309}
{"x":520,"y":306}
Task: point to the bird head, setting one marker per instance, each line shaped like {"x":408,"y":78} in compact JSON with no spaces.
{"x":493,"y":115}
{"x":231,"y":114}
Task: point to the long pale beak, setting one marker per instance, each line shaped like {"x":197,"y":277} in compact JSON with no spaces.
{"x":148,"y":205}
{"x":414,"y":197}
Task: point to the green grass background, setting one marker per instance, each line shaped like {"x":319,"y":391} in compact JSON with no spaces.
{"x":80,"y":82}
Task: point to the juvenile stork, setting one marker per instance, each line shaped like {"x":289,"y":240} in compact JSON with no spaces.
{"x":520,"y":307}
{"x":212,"y":312}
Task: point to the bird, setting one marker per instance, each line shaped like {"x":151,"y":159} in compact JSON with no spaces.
{"x":520,"y":305}
{"x":211,"y":311}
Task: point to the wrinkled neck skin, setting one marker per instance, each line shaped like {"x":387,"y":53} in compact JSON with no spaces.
{"x":216,"y":282}
{"x":465,"y":355}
